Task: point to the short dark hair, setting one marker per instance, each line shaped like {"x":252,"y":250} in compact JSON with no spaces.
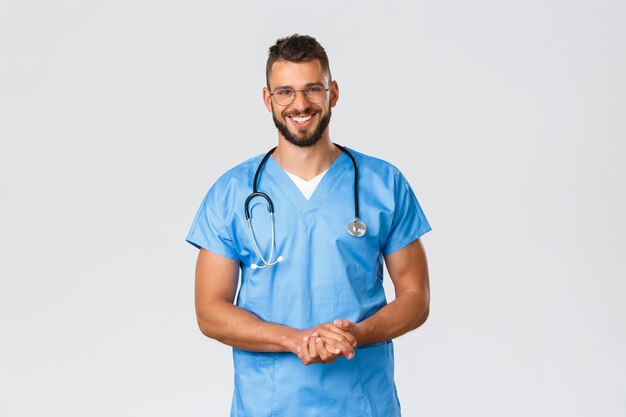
{"x":296,"y":48}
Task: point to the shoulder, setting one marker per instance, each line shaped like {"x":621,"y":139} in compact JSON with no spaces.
{"x":238,"y":177}
{"x":228,"y":189}
{"x":372,"y":167}
{"x":241,"y":169}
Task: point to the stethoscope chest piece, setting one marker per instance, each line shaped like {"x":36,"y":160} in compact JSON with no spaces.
{"x":357,"y":228}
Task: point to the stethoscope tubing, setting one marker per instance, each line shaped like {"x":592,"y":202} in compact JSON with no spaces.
{"x":356,"y":224}
{"x":268,"y":262}
{"x":356,"y":179}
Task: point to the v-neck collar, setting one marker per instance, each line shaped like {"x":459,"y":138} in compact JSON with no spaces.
{"x":308,"y":208}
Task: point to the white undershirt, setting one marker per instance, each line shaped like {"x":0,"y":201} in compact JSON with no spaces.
{"x":306,"y":187}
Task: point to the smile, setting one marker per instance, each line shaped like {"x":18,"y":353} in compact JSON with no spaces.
{"x":301,"y":119}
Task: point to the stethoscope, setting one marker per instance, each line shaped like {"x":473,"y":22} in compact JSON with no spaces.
{"x":355,"y":227}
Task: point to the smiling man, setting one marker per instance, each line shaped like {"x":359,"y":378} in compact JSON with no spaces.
{"x":311,"y":329}
{"x":308,"y":123}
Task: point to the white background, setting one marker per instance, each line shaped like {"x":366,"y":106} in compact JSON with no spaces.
{"x":506,"y":117}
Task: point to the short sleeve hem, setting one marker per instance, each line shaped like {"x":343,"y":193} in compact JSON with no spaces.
{"x":215,"y":249}
{"x":396,"y":246}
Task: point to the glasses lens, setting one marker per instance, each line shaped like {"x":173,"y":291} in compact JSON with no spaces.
{"x":284,"y":96}
{"x":315,"y":94}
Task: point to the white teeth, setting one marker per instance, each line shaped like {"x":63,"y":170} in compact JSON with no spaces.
{"x":298,"y":119}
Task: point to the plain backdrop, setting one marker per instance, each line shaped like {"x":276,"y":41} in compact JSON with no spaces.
{"x":507,"y":118}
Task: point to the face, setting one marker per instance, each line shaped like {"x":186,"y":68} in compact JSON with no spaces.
{"x":301,"y":122}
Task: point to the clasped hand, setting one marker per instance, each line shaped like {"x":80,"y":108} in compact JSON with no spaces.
{"x":327,"y":342}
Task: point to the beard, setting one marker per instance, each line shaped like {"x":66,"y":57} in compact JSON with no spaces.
{"x":303,"y":140}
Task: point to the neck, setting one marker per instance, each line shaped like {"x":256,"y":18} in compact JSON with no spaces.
{"x":308,"y":162}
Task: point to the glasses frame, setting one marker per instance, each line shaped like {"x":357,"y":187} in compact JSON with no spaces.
{"x":295,"y":93}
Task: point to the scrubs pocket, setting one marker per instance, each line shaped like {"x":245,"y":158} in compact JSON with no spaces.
{"x":254,"y":380}
{"x":376,"y":364}
{"x":318,"y":390}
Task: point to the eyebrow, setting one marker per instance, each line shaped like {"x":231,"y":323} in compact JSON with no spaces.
{"x":305,"y":86}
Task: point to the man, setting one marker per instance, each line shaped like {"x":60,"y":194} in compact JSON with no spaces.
{"x":311,"y":330}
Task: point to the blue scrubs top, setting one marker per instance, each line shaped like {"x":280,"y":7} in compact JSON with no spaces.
{"x":326,"y":274}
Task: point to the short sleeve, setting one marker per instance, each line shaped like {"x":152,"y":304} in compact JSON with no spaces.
{"x":409,"y":221}
{"x":208,"y":230}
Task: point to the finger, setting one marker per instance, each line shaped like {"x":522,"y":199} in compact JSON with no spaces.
{"x":329,"y":347}
{"x":321,"y":351}
{"x":332,"y":351}
{"x":327,"y":352}
{"x":342,"y":323}
{"x":336,"y":344}
{"x":339,"y":335}
{"x":345,"y":333}
{"x":312,"y":349}
{"x":338,"y":341}
{"x":348,"y":356}
{"x":338,"y":349}
{"x":331,"y":357}
{"x":304,"y":355}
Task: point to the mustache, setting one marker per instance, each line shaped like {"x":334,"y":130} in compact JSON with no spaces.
{"x":299,"y":113}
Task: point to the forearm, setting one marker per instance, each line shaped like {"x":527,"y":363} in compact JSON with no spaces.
{"x":407,"y":312}
{"x":237,"y":327}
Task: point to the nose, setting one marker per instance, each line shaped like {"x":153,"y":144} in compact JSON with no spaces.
{"x":300,"y":102}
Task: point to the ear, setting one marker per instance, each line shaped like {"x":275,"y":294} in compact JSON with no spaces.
{"x":334,"y":93}
{"x":267,"y":99}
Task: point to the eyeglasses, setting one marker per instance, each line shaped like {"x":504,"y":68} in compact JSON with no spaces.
{"x":284,"y":96}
